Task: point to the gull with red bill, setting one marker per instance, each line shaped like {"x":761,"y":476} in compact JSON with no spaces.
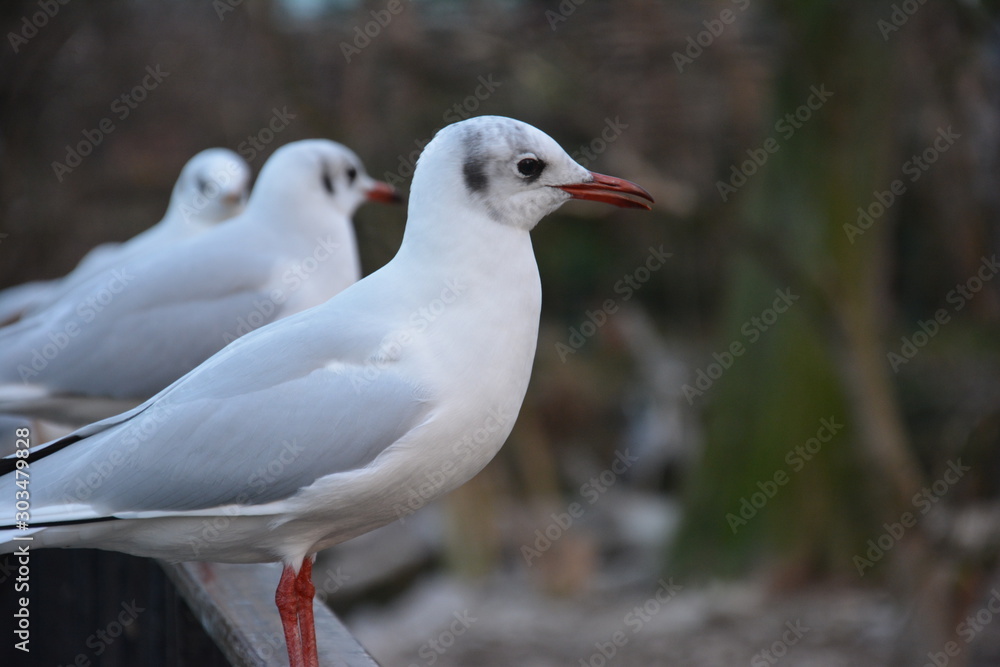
{"x":377,"y":388}
{"x":212,"y":187}
{"x":136,"y":326}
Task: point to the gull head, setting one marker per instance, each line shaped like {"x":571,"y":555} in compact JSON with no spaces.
{"x":318,"y":173}
{"x":513,"y":172}
{"x":213,"y":186}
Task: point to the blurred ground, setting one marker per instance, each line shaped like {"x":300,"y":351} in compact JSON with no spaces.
{"x":626,"y":613}
{"x":729,"y":624}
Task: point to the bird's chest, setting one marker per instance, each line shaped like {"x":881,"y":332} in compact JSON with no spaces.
{"x":482,"y":343}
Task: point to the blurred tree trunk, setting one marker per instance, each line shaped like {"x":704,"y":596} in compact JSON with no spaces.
{"x":825,"y":357}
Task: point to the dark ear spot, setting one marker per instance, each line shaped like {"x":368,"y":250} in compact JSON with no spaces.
{"x":327,"y":182}
{"x":474,"y":168}
{"x":474,"y":171}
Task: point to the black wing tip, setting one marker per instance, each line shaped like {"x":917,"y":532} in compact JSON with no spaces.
{"x":8,"y":464}
{"x":68,"y":522}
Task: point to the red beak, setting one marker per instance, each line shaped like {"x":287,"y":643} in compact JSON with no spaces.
{"x":385,"y":193}
{"x":610,"y":190}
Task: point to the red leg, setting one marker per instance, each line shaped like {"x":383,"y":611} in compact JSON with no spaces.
{"x":287,"y":599}
{"x":307,"y":625}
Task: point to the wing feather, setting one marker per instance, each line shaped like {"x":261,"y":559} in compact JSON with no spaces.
{"x":253,"y":424}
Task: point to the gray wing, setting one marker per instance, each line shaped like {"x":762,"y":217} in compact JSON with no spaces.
{"x":131,"y":332}
{"x":264,"y":418}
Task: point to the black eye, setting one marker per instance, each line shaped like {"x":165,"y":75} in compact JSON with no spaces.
{"x":327,"y":182}
{"x":529,"y":167}
{"x":202,"y":186}
{"x":352,"y":173}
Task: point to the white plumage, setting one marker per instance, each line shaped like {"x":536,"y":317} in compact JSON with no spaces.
{"x":129,"y":331}
{"x":212,"y":187}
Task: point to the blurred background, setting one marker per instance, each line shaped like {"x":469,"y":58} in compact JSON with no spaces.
{"x":764,"y":419}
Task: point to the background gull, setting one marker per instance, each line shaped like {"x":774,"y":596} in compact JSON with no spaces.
{"x":212,"y":187}
{"x":126,"y":333}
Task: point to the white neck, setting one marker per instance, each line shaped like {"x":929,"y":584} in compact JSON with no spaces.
{"x":448,"y":234}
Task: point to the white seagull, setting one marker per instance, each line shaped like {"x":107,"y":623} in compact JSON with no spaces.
{"x":212,"y":187}
{"x":128,"y":332}
{"x":400,"y":388}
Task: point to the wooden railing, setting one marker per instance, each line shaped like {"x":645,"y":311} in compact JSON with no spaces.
{"x":235,"y":605}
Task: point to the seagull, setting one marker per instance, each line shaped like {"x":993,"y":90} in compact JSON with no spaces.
{"x":330,"y":423}
{"x":128,"y":332}
{"x":212,"y":187}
